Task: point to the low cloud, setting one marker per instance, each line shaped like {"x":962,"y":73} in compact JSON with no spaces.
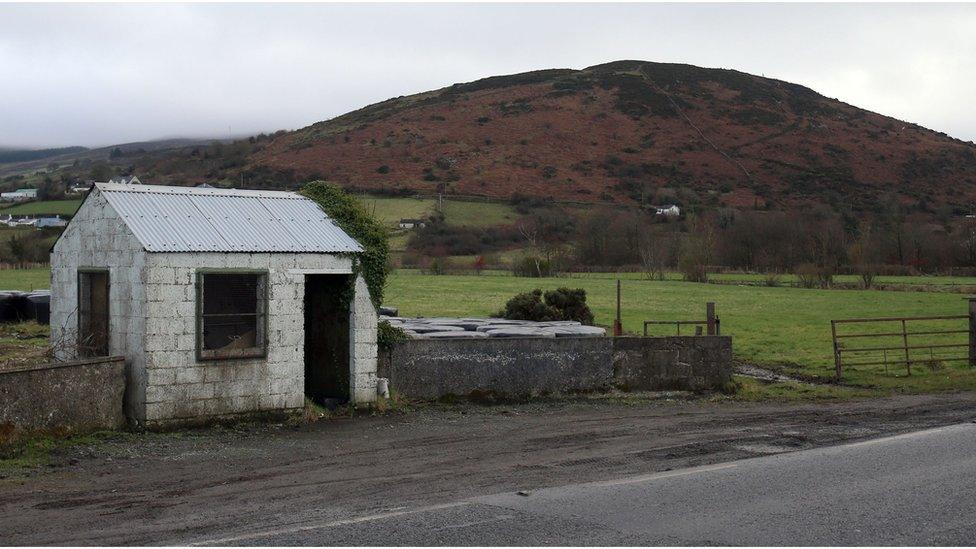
{"x":104,"y":74}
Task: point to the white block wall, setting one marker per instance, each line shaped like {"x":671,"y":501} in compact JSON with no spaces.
{"x":180,"y":387}
{"x":362,"y":346}
{"x":153,"y":323}
{"x":98,"y":238}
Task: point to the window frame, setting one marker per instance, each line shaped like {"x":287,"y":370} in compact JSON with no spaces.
{"x":210,"y":355}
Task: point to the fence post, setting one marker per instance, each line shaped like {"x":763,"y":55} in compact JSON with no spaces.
{"x":618,"y":328}
{"x":710,"y":318}
{"x":837,"y":366}
{"x":972,"y":332}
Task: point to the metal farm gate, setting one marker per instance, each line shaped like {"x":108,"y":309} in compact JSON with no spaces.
{"x":904,"y":341}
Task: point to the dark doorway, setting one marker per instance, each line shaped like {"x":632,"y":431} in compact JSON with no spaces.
{"x":327,"y":339}
{"x":93,"y":321}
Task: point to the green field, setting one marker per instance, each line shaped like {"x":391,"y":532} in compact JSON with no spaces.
{"x":52,"y":207}
{"x":478,"y":214}
{"x":456,"y":212}
{"x":391,"y":210}
{"x":25,"y":279}
{"x":782,"y":327}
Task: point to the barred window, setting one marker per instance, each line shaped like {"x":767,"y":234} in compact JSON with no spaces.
{"x":231,"y":315}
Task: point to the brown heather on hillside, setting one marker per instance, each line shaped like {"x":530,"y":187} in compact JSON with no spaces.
{"x":624,"y":131}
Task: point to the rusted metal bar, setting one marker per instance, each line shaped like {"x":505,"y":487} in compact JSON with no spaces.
{"x":900,"y":318}
{"x":972,"y":332}
{"x":674,"y":322}
{"x":901,"y":347}
{"x":878,"y":363}
{"x":892,"y":334}
{"x":904,"y":333}
{"x":837,"y":362}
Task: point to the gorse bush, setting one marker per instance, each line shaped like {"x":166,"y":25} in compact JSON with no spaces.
{"x":571,"y":304}
{"x":529,"y":306}
{"x":559,"y":304}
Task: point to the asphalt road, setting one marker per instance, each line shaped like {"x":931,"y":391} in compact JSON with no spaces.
{"x":912,"y":489}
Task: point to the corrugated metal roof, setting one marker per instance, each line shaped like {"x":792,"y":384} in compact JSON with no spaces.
{"x":184,"y":219}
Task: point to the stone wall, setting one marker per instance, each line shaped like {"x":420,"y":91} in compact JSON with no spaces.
{"x":679,"y":362}
{"x":78,"y":396}
{"x":431,"y":368}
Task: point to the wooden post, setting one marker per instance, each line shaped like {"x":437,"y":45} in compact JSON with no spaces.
{"x":618,"y":328}
{"x":837,"y":363}
{"x":972,"y":332}
{"x":710,"y":318}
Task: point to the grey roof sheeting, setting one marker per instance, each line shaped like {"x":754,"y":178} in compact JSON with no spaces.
{"x":185,"y":219}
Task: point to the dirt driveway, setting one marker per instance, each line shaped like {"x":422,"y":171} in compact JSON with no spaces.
{"x":194,"y":486}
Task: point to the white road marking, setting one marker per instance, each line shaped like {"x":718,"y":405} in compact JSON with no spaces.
{"x":332,"y":524}
{"x":914,"y":434}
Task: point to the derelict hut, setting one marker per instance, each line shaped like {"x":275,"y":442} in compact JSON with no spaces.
{"x":221,"y":301}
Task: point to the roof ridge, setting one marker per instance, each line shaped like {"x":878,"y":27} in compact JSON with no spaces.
{"x":197,"y":191}
{"x":243,"y":222}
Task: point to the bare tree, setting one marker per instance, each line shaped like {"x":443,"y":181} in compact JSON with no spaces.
{"x":697,"y":250}
{"x":654,"y":250}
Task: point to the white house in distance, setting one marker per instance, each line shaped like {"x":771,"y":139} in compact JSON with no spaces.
{"x":78,"y":189}
{"x":411,"y":223}
{"x":222,"y":301}
{"x":125,"y":180}
{"x":20,"y":195}
{"x":668,"y":211}
{"x":51,"y":222}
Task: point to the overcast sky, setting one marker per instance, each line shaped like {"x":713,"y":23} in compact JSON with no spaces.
{"x":106,"y":74}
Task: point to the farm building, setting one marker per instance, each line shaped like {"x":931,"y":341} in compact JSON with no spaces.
{"x":411,"y":223}
{"x":221,"y":301}
{"x":56,"y":221}
{"x":20,"y":195}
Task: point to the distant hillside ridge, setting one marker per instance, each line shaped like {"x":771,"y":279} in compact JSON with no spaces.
{"x":633,"y":131}
{"x":8,"y":156}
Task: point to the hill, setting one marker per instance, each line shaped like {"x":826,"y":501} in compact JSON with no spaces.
{"x":630,"y":131}
{"x":8,"y":156}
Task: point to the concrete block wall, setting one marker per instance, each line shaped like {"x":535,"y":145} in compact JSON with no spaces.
{"x":79,"y":396}
{"x":98,"y":238}
{"x":181,"y":388}
{"x":431,"y":368}
{"x":362,"y":346}
{"x":677,"y":362}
